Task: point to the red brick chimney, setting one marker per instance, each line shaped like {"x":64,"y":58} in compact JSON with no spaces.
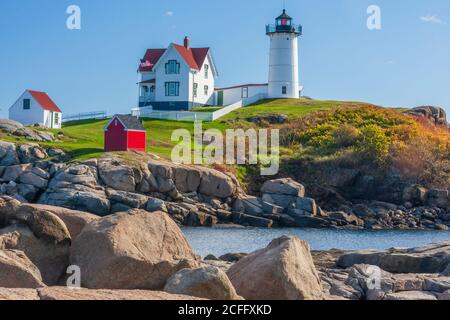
{"x":186,"y":42}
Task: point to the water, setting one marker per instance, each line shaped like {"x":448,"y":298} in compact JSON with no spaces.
{"x":218,"y":241}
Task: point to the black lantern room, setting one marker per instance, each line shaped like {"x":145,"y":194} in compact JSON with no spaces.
{"x":284,"y":24}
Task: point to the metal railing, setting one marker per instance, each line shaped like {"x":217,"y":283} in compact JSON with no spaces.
{"x":148,"y":112}
{"x":295,"y":28}
{"x":94,"y":115}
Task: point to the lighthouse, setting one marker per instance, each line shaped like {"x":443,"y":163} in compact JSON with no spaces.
{"x":283,"y":61}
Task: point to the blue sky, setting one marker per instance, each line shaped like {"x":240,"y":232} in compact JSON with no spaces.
{"x":406,"y":63}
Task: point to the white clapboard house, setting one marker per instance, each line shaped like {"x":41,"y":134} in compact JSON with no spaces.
{"x":180,"y":77}
{"x":177,"y":78}
{"x":35,"y":107}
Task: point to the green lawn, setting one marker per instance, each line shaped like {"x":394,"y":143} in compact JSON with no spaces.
{"x":206,"y":109}
{"x":84,"y":139}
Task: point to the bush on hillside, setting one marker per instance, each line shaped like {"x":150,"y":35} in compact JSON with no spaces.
{"x":378,"y":138}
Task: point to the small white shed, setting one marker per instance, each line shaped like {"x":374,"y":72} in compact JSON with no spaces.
{"x":35,"y":107}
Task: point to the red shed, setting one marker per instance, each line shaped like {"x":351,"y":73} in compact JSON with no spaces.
{"x":124,"y":133}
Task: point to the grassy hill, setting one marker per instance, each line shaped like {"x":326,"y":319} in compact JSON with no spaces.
{"x":321,"y":141}
{"x":84,"y":139}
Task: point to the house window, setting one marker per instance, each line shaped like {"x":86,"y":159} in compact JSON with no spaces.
{"x":195,"y":89}
{"x":172,"y":89}
{"x":284,"y":90}
{"x":206,"y":90}
{"x":144,"y":90}
{"x":26,"y":104}
{"x":56,"y":118}
{"x":245,"y":92}
{"x":172,"y":67}
{"x":206,"y":71}
{"x":152,"y":89}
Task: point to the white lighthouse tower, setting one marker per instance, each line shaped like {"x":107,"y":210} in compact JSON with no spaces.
{"x":283,"y":64}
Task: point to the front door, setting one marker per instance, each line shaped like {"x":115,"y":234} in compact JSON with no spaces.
{"x":220,"y":98}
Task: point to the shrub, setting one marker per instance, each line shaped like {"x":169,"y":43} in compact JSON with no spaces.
{"x":373,"y":144}
{"x":345,"y":136}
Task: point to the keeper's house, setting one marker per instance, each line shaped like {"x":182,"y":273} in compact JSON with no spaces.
{"x":125,"y":133}
{"x":177,"y":78}
{"x":35,"y":107}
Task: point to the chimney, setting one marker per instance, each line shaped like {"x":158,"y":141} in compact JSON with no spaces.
{"x":186,"y":42}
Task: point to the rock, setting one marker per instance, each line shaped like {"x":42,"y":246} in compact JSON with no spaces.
{"x":12,"y":173}
{"x":429,"y":259}
{"x":200,"y":219}
{"x":224,"y":215}
{"x":362,"y":211}
{"x":51,"y":258}
{"x":40,"y":234}
{"x":10,"y":126}
{"x":439,"y":284}
{"x":308,"y":205}
{"x":280,"y":200}
{"x":438,"y":198}
{"x":155,"y":204}
{"x":233,"y":257}
{"x":211,"y":257}
{"x":130,"y":199}
{"x":249,"y":205}
{"x":7,"y":294}
{"x":8,"y":154}
{"x":74,"y":220}
{"x":446,"y":272}
{"x":205,"y":282}
{"x":284,"y":186}
{"x":411,"y":295}
{"x":415,"y":194}
{"x":347,"y":218}
{"x":33,"y":179}
{"x":59,"y":154}
{"x":270,"y":208}
{"x":27,"y":191}
{"x":187,"y":179}
{"x":133,"y":250}
{"x":64,"y":293}
{"x":436,"y":115}
{"x":117,"y":175}
{"x":31,"y":152}
{"x":443,"y":297}
{"x":42,"y":223}
{"x":253,"y":221}
{"x":216,"y":184}
{"x":310,"y":222}
{"x":17,"y":271}
{"x":76,"y":187}
{"x":282,"y":271}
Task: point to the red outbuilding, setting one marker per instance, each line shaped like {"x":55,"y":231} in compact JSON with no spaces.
{"x":125,"y":133}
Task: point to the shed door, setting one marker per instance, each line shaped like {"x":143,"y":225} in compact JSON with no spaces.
{"x":220,"y":98}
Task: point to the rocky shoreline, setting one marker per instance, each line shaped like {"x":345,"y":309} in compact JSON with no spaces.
{"x":137,"y":255}
{"x":198,"y":196}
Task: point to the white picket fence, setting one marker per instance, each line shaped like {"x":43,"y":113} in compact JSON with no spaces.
{"x":148,"y":112}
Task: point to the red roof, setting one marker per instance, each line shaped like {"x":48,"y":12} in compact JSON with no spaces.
{"x":44,"y":100}
{"x":244,"y":85}
{"x":194,"y":57}
{"x":151,"y":57}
